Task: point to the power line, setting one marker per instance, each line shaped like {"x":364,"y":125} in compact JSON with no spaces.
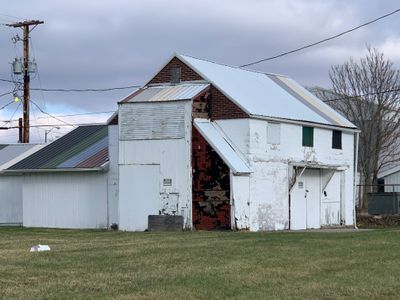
{"x":86,"y":90}
{"x":57,"y":125}
{"x":322,"y":41}
{"x":46,"y":113}
{"x":76,"y":90}
{"x":5,"y":94}
{"x":12,"y":17}
{"x":85,"y":113}
{"x":6,"y":80}
{"x":362,"y":95}
{"x":77,"y":114}
{"x":4,"y":106}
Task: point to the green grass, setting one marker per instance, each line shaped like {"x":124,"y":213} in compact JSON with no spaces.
{"x":199,"y":265}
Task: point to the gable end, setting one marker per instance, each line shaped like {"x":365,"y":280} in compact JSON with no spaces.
{"x":164,"y":76}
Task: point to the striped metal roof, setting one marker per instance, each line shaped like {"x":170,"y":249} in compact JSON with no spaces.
{"x":168,"y":93}
{"x":12,"y":153}
{"x":84,"y":147}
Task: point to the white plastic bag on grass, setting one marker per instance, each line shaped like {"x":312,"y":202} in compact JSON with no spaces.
{"x":40,"y":248}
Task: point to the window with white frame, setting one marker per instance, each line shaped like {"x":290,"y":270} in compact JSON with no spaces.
{"x":273,"y":133}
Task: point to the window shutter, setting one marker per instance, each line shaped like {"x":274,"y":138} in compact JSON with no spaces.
{"x":308,"y":136}
{"x":336,"y":139}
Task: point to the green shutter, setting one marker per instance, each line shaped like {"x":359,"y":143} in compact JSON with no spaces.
{"x":308,"y":136}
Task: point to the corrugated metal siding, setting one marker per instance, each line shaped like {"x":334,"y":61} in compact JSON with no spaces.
{"x":65,"y":200}
{"x":10,"y":199}
{"x":169,"y":93}
{"x":147,"y":121}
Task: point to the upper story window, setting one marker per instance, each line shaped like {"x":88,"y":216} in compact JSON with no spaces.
{"x":336,"y":139}
{"x":175,"y":75}
{"x":308,"y":136}
{"x":274,"y":133}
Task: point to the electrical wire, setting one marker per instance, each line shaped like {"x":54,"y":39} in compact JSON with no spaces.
{"x":362,"y":95}
{"x":4,"y":106}
{"x":74,"y":90}
{"x":8,"y":93}
{"x":12,"y":17}
{"x":50,"y":115}
{"x":86,"y":90}
{"x":322,"y":41}
{"x":78,"y":114}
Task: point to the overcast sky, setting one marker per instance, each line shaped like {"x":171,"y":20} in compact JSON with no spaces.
{"x":102,"y":44}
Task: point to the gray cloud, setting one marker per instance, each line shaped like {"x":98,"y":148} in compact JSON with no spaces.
{"x":97,"y":44}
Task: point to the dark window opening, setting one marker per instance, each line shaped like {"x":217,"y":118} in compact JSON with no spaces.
{"x":308,"y":136}
{"x":336,"y":139}
{"x":175,"y":75}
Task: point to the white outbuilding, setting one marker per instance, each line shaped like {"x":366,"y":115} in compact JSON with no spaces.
{"x":71,"y":182}
{"x":11,"y":184}
{"x":228,"y":148}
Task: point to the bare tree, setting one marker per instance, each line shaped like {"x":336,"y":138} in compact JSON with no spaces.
{"x":370,"y":99}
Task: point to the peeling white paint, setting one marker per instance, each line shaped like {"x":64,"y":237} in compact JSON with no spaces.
{"x":173,"y":155}
{"x":267,"y":207}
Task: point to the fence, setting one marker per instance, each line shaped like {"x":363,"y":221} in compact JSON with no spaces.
{"x":382,"y":199}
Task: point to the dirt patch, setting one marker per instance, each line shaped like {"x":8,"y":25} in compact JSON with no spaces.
{"x":368,"y":221}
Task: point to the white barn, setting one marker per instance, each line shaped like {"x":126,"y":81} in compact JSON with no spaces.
{"x":11,"y":185}
{"x":229,"y":148}
{"x":71,"y":182}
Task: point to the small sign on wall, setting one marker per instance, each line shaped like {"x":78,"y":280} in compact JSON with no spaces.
{"x":167,"y":181}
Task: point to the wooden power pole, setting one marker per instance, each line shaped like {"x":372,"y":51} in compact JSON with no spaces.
{"x":25,"y":25}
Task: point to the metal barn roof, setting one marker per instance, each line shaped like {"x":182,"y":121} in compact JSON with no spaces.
{"x":222,"y":146}
{"x":265,"y":95}
{"x":12,"y":153}
{"x":84,"y":148}
{"x":166,"y":93}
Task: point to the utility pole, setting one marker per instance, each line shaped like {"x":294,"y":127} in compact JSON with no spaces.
{"x":25,"y":25}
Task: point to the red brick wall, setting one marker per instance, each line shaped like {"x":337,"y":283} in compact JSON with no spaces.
{"x":210,"y":187}
{"x":201,"y":105}
{"x":223,"y":108}
{"x":187,"y":74}
{"x":219,"y":106}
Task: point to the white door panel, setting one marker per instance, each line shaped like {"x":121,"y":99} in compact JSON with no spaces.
{"x":305,"y":201}
{"x":139,"y":195}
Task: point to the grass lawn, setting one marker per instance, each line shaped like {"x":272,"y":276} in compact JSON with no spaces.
{"x":199,"y":265}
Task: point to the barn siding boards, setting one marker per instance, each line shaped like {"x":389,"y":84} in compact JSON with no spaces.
{"x":172,"y":155}
{"x":65,"y":200}
{"x":142,"y":121}
{"x":11,"y":200}
{"x":211,"y":186}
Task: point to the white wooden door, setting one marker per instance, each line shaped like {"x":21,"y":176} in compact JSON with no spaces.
{"x":305,"y":201}
{"x":313,"y":198}
{"x":139,"y":195}
{"x":330,"y":202}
